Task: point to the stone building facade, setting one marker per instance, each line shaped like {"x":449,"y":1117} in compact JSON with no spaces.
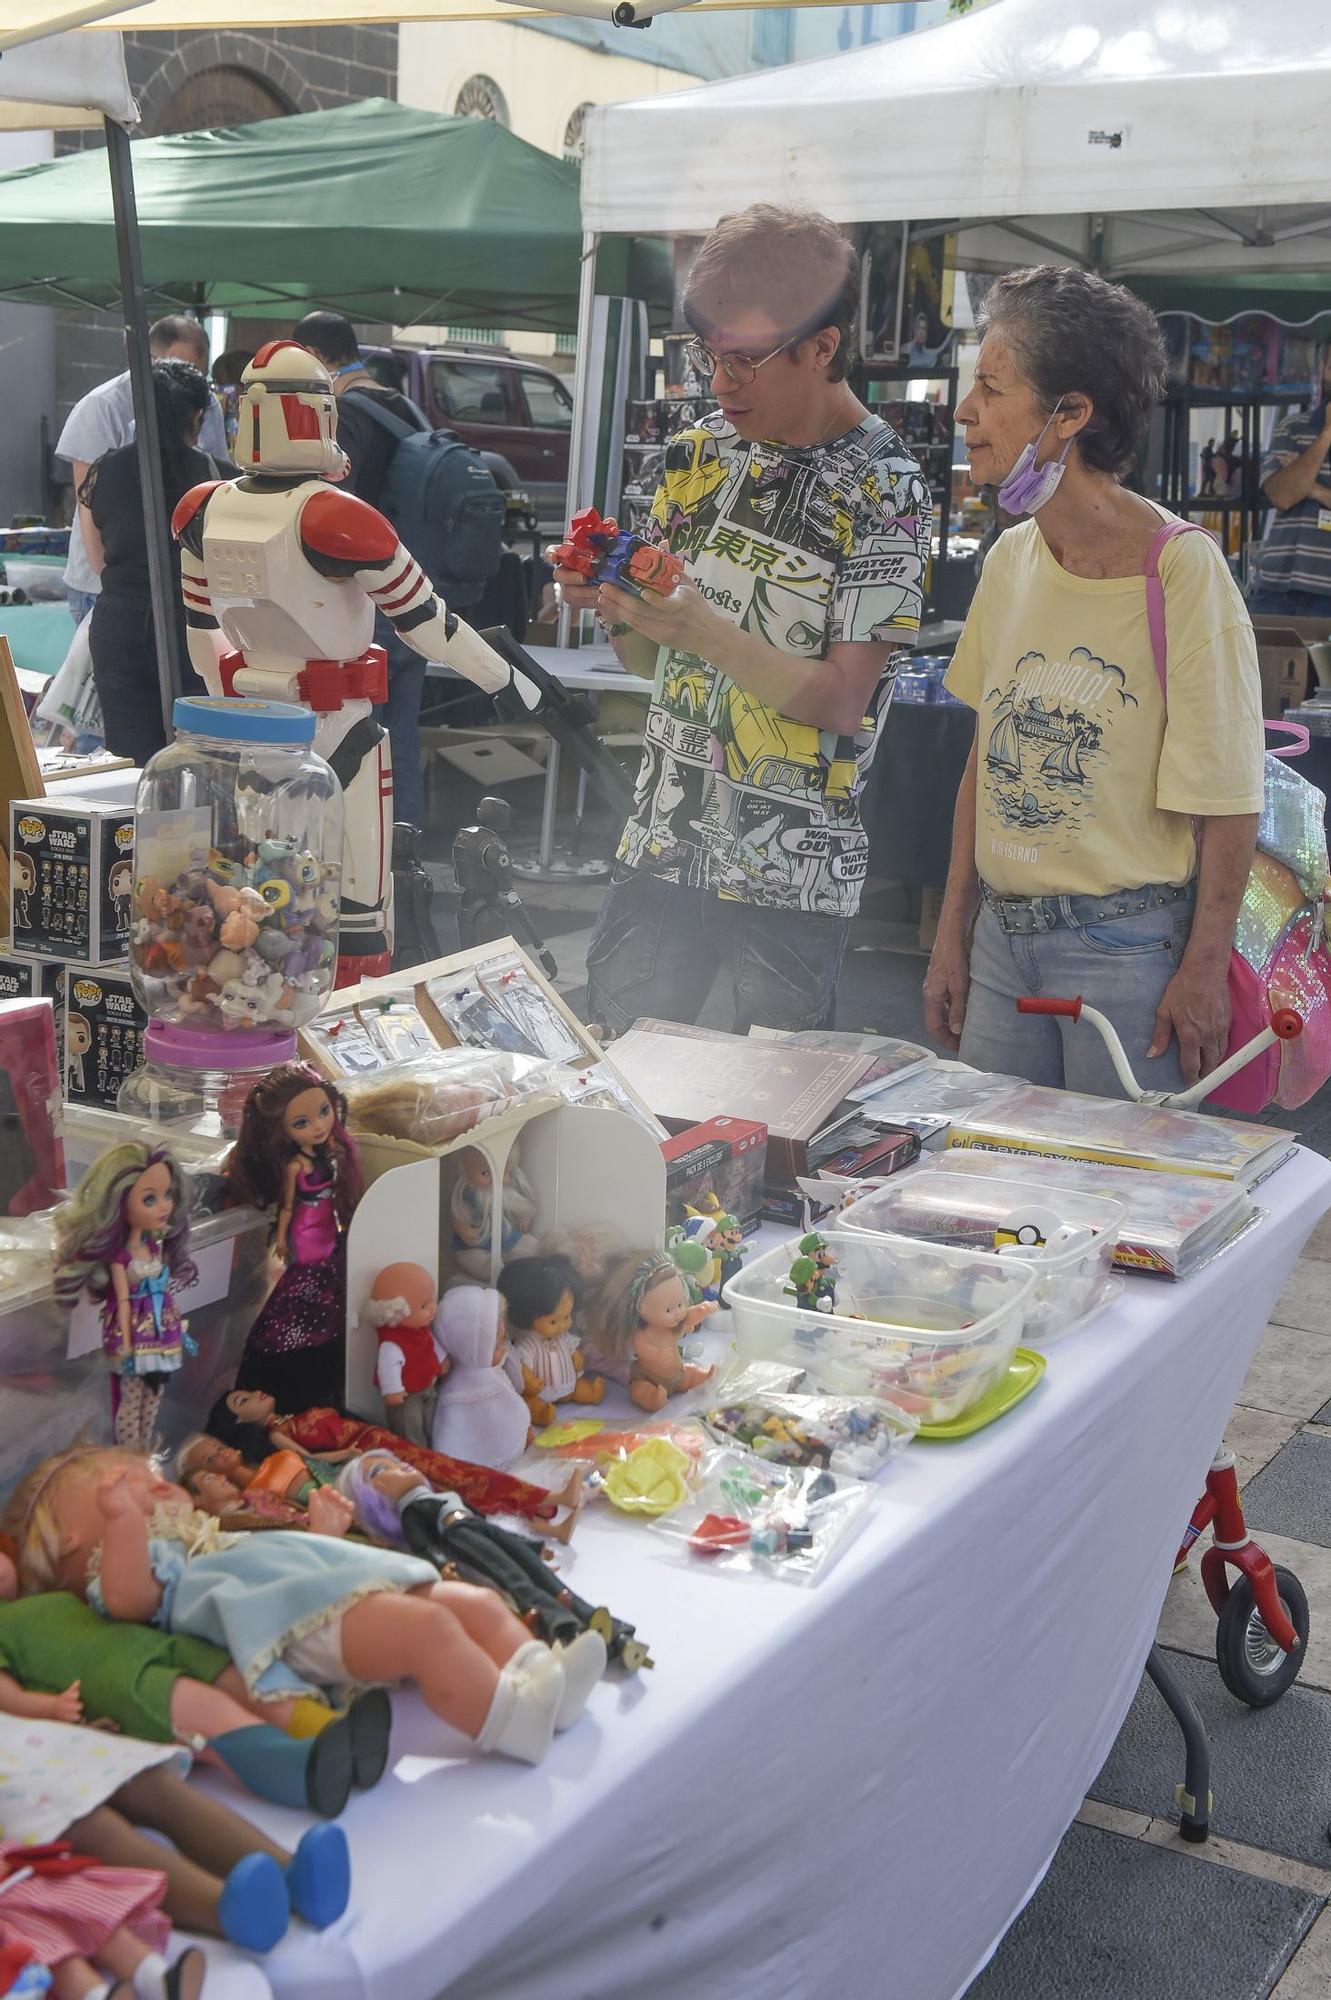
{"x":190,"y":82}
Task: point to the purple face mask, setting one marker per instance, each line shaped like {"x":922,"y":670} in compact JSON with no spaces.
{"x":1029,"y":485}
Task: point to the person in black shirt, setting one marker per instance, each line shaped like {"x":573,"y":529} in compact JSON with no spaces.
{"x":370,"y":449}
{"x":121,"y":635}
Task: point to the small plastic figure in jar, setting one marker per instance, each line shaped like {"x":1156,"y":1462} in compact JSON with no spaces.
{"x":636,"y":1321}
{"x":123,"y":1237}
{"x":293,"y":1155}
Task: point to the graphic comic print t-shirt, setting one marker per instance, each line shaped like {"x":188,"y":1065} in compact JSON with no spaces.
{"x":1084,"y":786}
{"x":804,"y":547}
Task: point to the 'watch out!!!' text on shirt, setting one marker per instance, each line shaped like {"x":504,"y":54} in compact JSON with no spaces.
{"x":805,"y":547}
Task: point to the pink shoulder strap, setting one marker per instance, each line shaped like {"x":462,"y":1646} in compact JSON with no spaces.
{"x":1155,"y":619}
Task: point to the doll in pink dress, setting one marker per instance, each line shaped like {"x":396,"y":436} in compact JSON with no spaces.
{"x":123,"y":1237}
{"x":293,"y":1155}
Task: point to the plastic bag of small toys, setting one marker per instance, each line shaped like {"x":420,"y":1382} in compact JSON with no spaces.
{"x":435,"y":1098}
{"x":642,"y":1469}
{"x":777,"y":1412}
{"x":788,"y":1522}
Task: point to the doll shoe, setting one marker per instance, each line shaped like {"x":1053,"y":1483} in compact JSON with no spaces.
{"x":331,"y":1770}
{"x":584,"y":1662}
{"x":370,"y":1717}
{"x":521,"y":1722}
{"x":184,"y":1980}
{"x":254,"y":1908}
{"x":319,"y":1876}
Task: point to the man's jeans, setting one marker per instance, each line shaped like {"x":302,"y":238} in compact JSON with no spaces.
{"x":656,"y":950}
{"x":1270,"y":601}
{"x":1120,"y":964}
{"x":401,"y":717}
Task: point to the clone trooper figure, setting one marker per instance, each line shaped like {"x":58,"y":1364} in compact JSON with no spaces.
{"x":291,"y":571}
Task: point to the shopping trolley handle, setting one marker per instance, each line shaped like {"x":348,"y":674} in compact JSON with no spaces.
{"x":1039,"y":1004}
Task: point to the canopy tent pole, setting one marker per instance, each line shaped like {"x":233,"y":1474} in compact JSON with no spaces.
{"x":161,"y":566}
{"x":582,"y":374}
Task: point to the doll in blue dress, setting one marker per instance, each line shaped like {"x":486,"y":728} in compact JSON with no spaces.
{"x":296,"y":1612}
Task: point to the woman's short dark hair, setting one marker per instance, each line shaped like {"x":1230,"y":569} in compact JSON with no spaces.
{"x":1072,"y":333}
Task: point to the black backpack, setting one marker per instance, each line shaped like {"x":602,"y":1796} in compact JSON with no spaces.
{"x":444,"y":503}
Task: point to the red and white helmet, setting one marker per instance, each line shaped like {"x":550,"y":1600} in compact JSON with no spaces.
{"x":288,"y":414}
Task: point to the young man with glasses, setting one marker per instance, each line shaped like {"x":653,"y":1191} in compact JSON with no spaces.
{"x":805,"y":527}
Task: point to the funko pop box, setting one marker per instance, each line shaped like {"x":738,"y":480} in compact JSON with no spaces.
{"x":70,"y":877}
{"x":104,"y":1026}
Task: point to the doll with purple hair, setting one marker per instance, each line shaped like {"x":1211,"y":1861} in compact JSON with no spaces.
{"x":123,"y":1237}
{"x":294,"y":1157}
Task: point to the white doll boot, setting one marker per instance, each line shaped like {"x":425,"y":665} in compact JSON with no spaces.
{"x":521,"y":1721}
{"x":583,"y":1661}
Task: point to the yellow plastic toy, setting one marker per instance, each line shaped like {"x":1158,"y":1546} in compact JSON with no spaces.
{"x":650,"y":1480}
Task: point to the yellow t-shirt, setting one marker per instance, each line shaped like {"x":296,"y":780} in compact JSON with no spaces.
{"x":1084,"y":787}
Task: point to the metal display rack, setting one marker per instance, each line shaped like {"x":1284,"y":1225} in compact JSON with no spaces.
{"x":1240,"y":410}
{"x":934,"y":455}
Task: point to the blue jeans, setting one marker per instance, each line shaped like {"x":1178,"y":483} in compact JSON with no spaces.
{"x":1121,"y":965}
{"x":80,"y":603}
{"x":401,"y":717}
{"x":656,"y":949}
{"x":1268,"y":600}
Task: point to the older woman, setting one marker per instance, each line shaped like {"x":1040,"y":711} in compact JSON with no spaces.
{"x":1100,"y":844}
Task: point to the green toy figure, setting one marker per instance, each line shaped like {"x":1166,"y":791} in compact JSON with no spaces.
{"x":729,"y":1248}
{"x":811,"y":1275}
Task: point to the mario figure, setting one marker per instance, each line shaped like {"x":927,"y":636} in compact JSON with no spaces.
{"x":291,"y":572}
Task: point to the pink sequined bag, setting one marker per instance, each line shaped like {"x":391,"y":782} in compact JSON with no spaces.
{"x":1279,"y":956}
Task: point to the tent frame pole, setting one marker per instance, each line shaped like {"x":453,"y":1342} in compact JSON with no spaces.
{"x":582,"y":369}
{"x":161,"y":566}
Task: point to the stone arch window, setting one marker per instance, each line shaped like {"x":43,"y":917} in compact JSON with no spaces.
{"x":481,"y":97}
{"x":220,"y":97}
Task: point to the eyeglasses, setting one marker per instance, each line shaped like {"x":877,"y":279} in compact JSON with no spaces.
{"x":740,"y":368}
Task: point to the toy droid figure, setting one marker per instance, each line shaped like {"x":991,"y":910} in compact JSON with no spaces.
{"x":291,"y":572}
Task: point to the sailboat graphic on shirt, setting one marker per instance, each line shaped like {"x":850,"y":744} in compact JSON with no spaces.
{"x":1060,"y":737}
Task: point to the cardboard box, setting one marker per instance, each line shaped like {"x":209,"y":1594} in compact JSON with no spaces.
{"x":723,"y":1159}
{"x":70,"y":877}
{"x":104,"y":1026}
{"x":688,"y":1075}
{"x":852,"y":1148}
{"x":1283,"y":663}
{"x":24,"y":978}
{"x":32,"y":1155}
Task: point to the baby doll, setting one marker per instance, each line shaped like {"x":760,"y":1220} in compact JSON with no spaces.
{"x":472,"y":1209}
{"x":60,"y":1662}
{"x":636,"y":1319}
{"x":123,"y":1236}
{"x":402,"y":1305}
{"x":293,"y":1156}
{"x":59,"y":1782}
{"x":244,"y":1426}
{"x":545,"y":1360}
{"x":394,"y":1504}
{"x":296,"y":1612}
{"x":479,"y":1415}
{"x":91,"y":1925}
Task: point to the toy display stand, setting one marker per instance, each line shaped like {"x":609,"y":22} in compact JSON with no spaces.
{"x":586,"y":1164}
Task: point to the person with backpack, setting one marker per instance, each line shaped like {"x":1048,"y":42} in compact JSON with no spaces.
{"x":1103,"y":836}
{"x":441,"y":499}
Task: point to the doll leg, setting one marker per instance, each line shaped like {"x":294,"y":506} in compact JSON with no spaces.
{"x":74,"y":1979}
{"x":146,"y":1975}
{"x":488,"y":1620}
{"x":589,"y":1389}
{"x":389,"y":1637}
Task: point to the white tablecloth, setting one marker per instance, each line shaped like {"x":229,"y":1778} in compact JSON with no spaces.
{"x":852,"y":1789}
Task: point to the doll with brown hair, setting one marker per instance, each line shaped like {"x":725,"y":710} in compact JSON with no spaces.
{"x":297,"y":1612}
{"x":636,"y":1318}
{"x":123,"y":1237}
{"x":542,"y":1294}
{"x":294,"y":1157}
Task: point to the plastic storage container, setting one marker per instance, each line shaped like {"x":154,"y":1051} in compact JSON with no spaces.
{"x":237,"y":870}
{"x":983,"y":1211}
{"x":931,"y":1330}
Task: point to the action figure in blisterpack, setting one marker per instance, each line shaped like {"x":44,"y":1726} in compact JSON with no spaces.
{"x":291,"y":571}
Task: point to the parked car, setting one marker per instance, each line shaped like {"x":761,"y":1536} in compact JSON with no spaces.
{"x":517,"y":413}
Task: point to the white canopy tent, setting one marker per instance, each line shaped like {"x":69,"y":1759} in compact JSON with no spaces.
{"x":1193,"y":135}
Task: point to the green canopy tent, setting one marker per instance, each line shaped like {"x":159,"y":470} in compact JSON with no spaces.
{"x":386,"y":212}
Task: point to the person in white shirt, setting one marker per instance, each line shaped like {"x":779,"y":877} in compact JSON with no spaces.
{"x":104,"y":419}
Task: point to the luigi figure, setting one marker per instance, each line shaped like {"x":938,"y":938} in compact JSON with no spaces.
{"x":812,"y":1280}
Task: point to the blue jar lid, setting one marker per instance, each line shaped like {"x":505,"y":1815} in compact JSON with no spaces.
{"x":243,"y":721}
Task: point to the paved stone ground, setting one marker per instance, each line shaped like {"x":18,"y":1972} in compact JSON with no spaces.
{"x":1128,"y":1911}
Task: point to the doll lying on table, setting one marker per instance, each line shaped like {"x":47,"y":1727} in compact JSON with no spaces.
{"x":246,"y":1422}
{"x":222,"y":1876}
{"x":297,"y":1612}
{"x":60,"y":1662}
{"x":393,"y":1503}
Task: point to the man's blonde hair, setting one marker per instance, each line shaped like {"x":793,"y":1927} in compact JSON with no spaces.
{"x":792,"y":264}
